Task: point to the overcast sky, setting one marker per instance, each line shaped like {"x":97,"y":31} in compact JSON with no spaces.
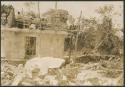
{"x":74,"y":8}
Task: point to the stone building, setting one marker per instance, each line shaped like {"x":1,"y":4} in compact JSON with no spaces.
{"x":20,"y":44}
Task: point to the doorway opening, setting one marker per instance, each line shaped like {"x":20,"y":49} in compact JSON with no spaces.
{"x":30,"y":47}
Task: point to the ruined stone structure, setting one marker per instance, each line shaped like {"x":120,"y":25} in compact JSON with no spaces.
{"x":24,"y":43}
{"x":19,"y":44}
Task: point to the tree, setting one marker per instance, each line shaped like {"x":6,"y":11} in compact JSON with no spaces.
{"x":8,"y":15}
{"x":107,"y":10}
{"x":107,"y":41}
{"x":6,"y":9}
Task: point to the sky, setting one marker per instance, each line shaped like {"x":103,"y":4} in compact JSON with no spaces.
{"x":74,"y":8}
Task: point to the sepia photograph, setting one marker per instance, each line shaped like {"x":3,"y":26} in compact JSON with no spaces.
{"x":62,"y":43}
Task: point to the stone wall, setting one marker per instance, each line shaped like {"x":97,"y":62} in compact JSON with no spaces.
{"x":14,"y":45}
{"x":52,"y":45}
{"x":48,"y":43}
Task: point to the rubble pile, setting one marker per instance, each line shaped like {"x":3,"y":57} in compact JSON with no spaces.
{"x":98,"y":73}
{"x":8,"y":72}
{"x":112,"y":68}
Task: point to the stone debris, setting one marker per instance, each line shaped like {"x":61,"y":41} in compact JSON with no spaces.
{"x":43,"y":64}
{"x":8,"y":72}
{"x":51,"y":79}
{"x":17,"y":79}
{"x":71,"y":74}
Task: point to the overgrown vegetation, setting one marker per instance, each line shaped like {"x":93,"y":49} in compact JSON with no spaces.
{"x":97,"y":37}
{"x":93,"y":38}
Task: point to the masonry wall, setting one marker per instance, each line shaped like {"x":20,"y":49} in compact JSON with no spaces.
{"x":51,"y":45}
{"x":14,"y":45}
{"x":48,"y":43}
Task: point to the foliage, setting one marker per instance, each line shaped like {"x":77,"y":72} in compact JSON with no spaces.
{"x":105,"y":10}
{"x":101,"y":38}
{"x":8,"y":15}
{"x":6,"y":9}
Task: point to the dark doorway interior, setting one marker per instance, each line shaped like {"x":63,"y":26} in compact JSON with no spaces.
{"x":30,"y":47}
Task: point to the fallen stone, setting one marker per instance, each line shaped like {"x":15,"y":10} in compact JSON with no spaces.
{"x":43,"y":64}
